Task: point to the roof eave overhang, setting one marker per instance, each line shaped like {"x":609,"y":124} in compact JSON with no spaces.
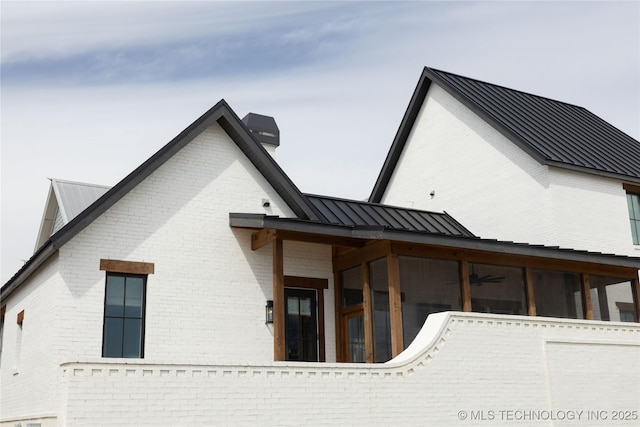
{"x":40,"y":257}
{"x":260,"y":221}
{"x":589,"y":171}
{"x":406,"y":125}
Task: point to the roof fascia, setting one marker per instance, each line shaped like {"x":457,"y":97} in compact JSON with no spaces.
{"x":406,"y":125}
{"x":429,"y":76}
{"x":48,"y":218}
{"x":42,"y":255}
{"x":605,"y":174}
{"x":259,"y":221}
{"x":505,"y":131}
{"x":229,"y":121}
{"x":264,"y":162}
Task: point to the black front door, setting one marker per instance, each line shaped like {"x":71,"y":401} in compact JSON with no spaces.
{"x":301,"y":324}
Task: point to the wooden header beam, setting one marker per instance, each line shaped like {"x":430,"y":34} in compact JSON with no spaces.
{"x":267,"y":235}
{"x":127,"y":267}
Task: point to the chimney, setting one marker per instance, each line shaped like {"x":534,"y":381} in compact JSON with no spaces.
{"x":264,"y":129}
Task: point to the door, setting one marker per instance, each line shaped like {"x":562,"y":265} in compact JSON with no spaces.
{"x":301,"y":325}
{"x":353,"y":321}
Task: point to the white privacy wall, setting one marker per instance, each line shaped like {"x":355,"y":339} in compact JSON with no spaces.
{"x":463,"y":369}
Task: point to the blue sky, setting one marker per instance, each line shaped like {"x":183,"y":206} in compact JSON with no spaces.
{"x":89,"y":90}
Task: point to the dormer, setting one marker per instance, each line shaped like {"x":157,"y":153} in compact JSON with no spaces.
{"x":66,"y":199}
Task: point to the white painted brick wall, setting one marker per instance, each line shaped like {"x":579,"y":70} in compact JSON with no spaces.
{"x":479,"y":177}
{"x":538,"y":365}
{"x":591,"y":213}
{"x":498,"y":191}
{"x":28,"y":380}
{"x":206,"y":300}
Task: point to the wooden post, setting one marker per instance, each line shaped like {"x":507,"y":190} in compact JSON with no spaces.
{"x":603,"y":303}
{"x":465,"y":286}
{"x":395,"y":304}
{"x":531,"y":297}
{"x":337,"y":300}
{"x":278,"y":301}
{"x":635,"y":291}
{"x":367,"y":314}
{"x":586,"y":297}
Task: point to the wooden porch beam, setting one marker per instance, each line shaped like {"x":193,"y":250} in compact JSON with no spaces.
{"x":530,"y":291}
{"x":465,"y":286}
{"x":395,"y":304}
{"x":278,"y":302}
{"x":367,"y":314}
{"x":635,"y":291}
{"x":368,"y":252}
{"x":262,"y":238}
{"x":586,"y":297}
{"x":267,"y":235}
{"x":320,"y":239}
{"x":494,"y":258}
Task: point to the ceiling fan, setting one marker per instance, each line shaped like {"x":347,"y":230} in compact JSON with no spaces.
{"x":477,"y":280}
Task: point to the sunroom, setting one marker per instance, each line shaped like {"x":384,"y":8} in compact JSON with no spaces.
{"x":392,"y":267}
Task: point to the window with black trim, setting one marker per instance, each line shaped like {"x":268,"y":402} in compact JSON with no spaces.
{"x":124,"y":314}
{"x":633,"y":201}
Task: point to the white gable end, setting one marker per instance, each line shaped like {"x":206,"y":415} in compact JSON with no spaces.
{"x":206,"y":273}
{"x":475,"y":173}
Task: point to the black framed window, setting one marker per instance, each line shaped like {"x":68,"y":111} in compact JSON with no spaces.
{"x":633,"y":202}
{"x":124,"y":313}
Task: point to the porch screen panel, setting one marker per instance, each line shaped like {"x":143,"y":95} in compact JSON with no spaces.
{"x":497,"y":289}
{"x":428,"y":286}
{"x":558,"y":294}
{"x":612,"y":299}
{"x":379,"y":281}
{"x":351,"y":287}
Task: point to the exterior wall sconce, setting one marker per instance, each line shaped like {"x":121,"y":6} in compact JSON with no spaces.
{"x":268,"y":312}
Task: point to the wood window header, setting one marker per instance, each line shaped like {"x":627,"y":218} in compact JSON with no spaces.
{"x":630,"y":188}
{"x":305,"y":282}
{"x":20,"y":318}
{"x":129,"y":267}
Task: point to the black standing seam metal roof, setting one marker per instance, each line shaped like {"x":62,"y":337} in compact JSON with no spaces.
{"x":553,"y":132}
{"x":352,"y":213}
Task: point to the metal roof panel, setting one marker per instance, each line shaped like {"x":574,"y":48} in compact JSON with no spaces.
{"x":353,"y":213}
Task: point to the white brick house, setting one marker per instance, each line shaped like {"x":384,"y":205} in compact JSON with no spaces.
{"x":150,"y":307}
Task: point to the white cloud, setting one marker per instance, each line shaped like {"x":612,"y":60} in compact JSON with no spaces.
{"x":338,"y":110}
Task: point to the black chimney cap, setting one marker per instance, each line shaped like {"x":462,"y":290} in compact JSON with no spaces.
{"x":264,"y":128}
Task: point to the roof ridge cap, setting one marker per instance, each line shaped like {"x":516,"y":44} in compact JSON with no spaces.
{"x":86,"y":184}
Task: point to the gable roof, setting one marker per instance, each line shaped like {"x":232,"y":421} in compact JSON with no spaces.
{"x":552,"y":132}
{"x":66,"y":200}
{"x":220,"y":113}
